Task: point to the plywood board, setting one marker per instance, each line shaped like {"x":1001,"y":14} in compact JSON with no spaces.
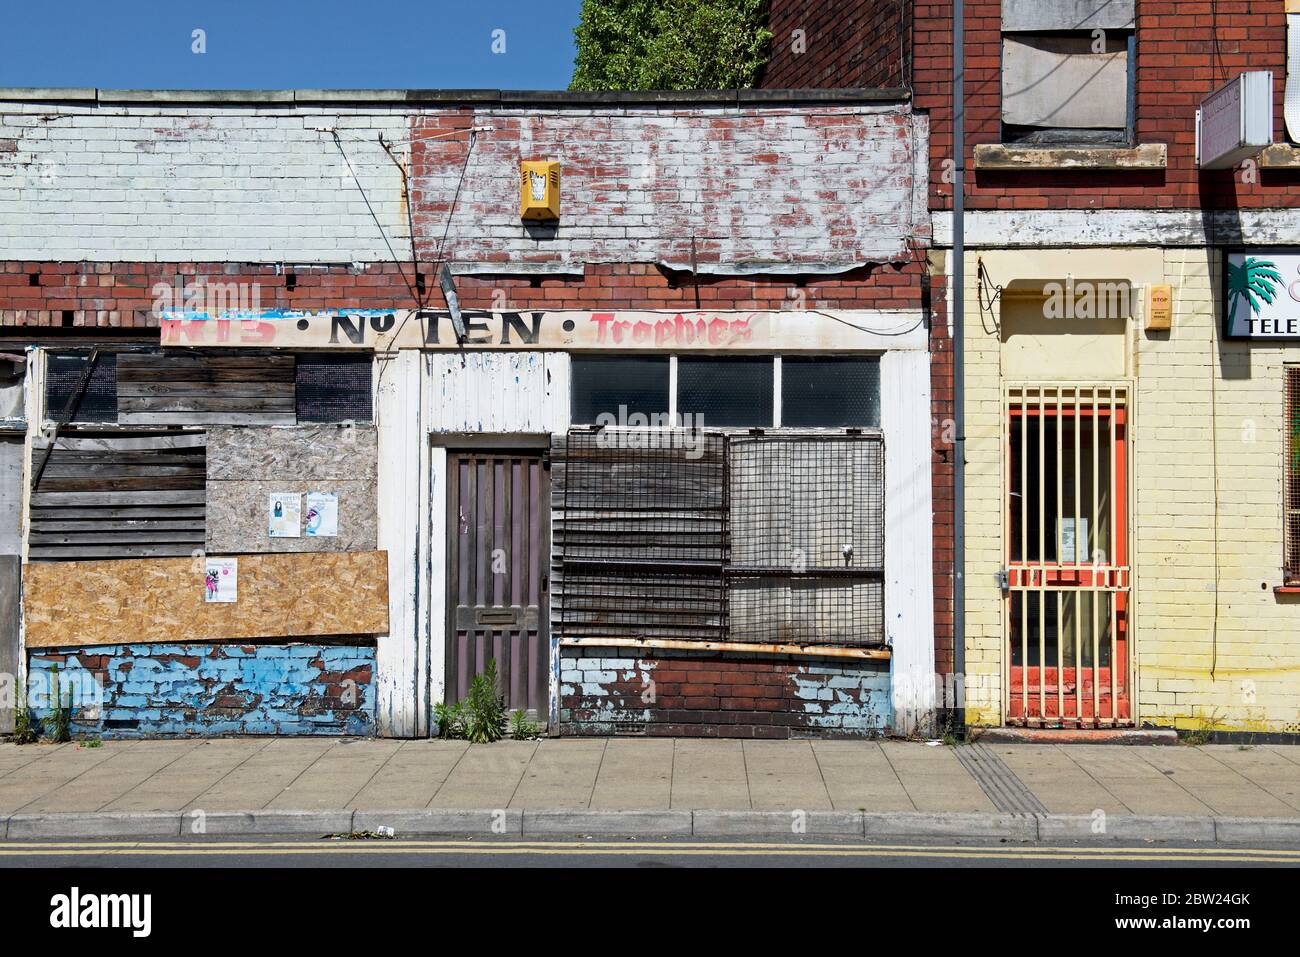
{"x":161,"y":599}
{"x":237,"y":516}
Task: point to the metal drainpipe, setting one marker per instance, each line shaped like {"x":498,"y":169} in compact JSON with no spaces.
{"x":958,"y":359}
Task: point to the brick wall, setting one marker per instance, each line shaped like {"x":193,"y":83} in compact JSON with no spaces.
{"x":771,"y":188}
{"x":943,"y":448}
{"x":209,"y":689}
{"x":703,"y":694}
{"x":793,"y":190}
{"x":844,"y":43}
{"x":1179,"y":62}
{"x":109,"y":295}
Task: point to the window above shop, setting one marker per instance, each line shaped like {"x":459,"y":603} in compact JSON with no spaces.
{"x":1068,"y":72}
{"x":727,"y":392}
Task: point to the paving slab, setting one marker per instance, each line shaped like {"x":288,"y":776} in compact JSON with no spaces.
{"x":934,"y":779}
{"x":411,"y":777}
{"x":636,"y":775}
{"x":710,"y":774}
{"x":784,"y":775}
{"x":55,"y":771}
{"x":486,"y":776}
{"x":15,"y":756}
{"x":335,"y":778}
{"x":858,"y":776}
{"x":175,"y":786}
{"x":561,"y":774}
{"x":257,"y":782}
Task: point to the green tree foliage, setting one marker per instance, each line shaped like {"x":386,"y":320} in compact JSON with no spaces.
{"x":669,"y":44}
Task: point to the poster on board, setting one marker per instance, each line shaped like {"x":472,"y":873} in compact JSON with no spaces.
{"x":284,"y":515}
{"x":322,"y":516}
{"x":221,"y":580}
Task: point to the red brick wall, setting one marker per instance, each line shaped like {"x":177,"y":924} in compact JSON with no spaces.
{"x":707,"y":694}
{"x":1178,"y":64}
{"x":121,"y":294}
{"x":846,"y":43}
{"x":943,"y":448}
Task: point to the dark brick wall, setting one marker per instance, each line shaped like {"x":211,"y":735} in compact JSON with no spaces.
{"x":721,"y":694}
{"x":846,"y":43}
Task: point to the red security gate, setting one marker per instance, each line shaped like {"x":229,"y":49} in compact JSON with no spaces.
{"x":1067,"y":574}
{"x":498,"y":529}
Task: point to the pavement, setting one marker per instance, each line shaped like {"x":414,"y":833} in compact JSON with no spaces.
{"x":1226,"y":794}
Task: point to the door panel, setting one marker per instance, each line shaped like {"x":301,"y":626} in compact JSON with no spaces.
{"x":498,"y":543}
{"x":1067,"y":556}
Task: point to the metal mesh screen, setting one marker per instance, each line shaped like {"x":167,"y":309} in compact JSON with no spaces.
{"x":807,"y":539}
{"x":98,"y":402}
{"x":1291,"y":487}
{"x":333,"y":388}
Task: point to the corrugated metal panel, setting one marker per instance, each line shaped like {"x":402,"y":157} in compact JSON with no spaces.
{"x":498,"y":392}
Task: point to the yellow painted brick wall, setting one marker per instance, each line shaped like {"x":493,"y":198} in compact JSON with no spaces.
{"x":1193,"y":388}
{"x":983,"y":508}
{"x":1247,"y":676}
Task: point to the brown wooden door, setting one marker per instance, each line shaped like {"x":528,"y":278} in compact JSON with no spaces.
{"x":498,"y":527}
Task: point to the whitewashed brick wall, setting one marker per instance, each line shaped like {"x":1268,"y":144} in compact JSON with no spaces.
{"x":773,"y":188}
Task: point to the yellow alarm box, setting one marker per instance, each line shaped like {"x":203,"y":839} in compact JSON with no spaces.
{"x":539,"y":196}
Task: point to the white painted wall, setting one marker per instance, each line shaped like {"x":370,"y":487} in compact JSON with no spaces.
{"x":498,"y":392}
{"x":909,"y":526}
{"x":403,"y":658}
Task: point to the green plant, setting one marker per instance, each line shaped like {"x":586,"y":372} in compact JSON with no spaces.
{"x":521,"y":729}
{"x":485,"y":708}
{"x":59,"y":728}
{"x":451,"y":720}
{"x":91,"y":743}
{"x":669,"y":44}
{"x":26,"y":727}
{"x":1199,"y":736}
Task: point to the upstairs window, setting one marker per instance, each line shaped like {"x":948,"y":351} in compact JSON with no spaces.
{"x":1068,"y":72}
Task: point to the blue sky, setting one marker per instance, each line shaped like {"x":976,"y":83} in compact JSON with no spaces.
{"x":278,"y":44}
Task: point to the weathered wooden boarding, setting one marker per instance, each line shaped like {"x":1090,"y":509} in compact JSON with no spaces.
{"x":110,"y":495}
{"x":171,"y":388}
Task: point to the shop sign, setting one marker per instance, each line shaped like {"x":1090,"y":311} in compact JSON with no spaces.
{"x":1261,"y":294}
{"x":632,"y":331}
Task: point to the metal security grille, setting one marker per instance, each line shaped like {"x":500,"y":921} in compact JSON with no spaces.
{"x":641,"y":534}
{"x":1067,"y":575}
{"x":807,"y":540}
{"x":1291,"y":487}
{"x":774,"y":539}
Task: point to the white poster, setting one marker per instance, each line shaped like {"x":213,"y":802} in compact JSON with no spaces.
{"x":221,"y":580}
{"x":1074,"y":541}
{"x":322,"y":519}
{"x":284,"y":515}
{"x":1261,"y":295}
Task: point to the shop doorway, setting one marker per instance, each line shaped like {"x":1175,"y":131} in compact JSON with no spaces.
{"x":1067,"y":578}
{"x":498,"y":550}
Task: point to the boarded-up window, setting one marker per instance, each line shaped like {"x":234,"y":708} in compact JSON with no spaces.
{"x":118,"y":495}
{"x":1291,"y":481}
{"x":1067,"y":71}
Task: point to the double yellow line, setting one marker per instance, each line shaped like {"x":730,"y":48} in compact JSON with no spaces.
{"x":542,"y":848}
